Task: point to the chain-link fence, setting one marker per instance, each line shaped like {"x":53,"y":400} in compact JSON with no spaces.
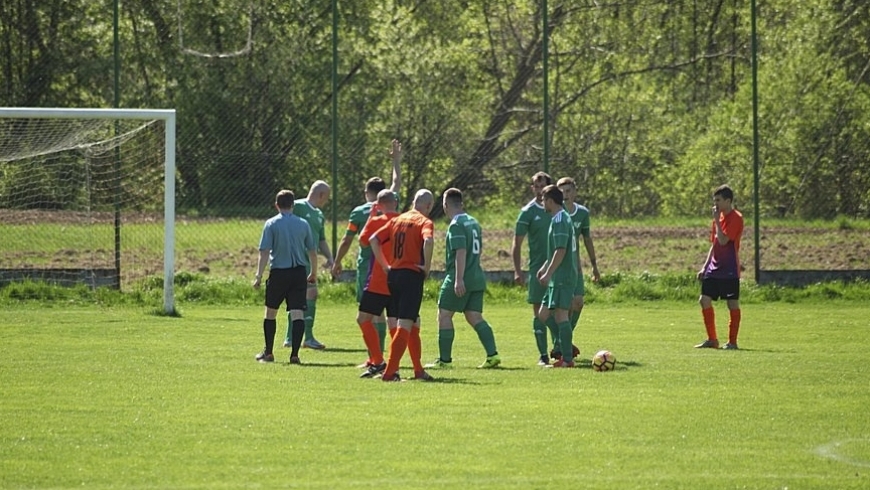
{"x":648,"y":105}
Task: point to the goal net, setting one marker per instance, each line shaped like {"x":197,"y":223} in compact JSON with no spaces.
{"x":87,"y":196}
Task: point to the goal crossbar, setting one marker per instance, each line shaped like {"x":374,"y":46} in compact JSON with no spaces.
{"x":166,"y":115}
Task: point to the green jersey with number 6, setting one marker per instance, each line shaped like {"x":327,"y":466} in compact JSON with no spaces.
{"x":464,"y":233}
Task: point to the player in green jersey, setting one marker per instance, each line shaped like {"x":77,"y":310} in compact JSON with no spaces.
{"x":534,"y":222}
{"x":559,"y":272}
{"x":580,"y":218}
{"x":309,"y":210}
{"x":464,"y":283}
{"x":358,"y":218}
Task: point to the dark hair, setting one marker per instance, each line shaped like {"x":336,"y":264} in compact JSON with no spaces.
{"x":375,"y":185}
{"x":284,"y":199}
{"x":542,"y":176}
{"x":554,"y":193}
{"x":453,"y":196}
{"x":725,"y":192}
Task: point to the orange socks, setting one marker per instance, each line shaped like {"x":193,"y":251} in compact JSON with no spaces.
{"x":397,"y":350}
{"x":415,"y":349}
{"x":733,"y":326}
{"x":372,"y":341}
{"x":710,"y":322}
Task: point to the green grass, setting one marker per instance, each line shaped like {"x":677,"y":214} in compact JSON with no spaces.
{"x":115,"y":397}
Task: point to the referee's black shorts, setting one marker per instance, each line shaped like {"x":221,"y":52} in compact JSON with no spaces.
{"x":406,"y":292}
{"x":288,"y":285}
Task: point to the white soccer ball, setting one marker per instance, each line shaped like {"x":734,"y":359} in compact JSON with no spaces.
{"x":603,"y":360}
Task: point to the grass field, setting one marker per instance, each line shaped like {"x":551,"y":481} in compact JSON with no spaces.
{"x":99,"y":397}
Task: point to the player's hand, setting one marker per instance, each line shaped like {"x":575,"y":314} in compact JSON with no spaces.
{"x":519,"y":279}
{"x":256,"y":283}
{"x":396,"y":150}
{"x":336,"y":270}
{"x":715,"y":213}
{"x":328,"y":264}
{"x":596,"y":275}
{"x":459,"y":288}
{"x":312,"y":278}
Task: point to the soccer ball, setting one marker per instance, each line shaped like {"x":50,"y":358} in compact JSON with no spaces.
{"x":603,"y":360}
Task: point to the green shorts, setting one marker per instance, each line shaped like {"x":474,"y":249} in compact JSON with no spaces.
{"x":558,"y":297}
{"x":537,"y":291}
{"x":470,"y":301}
{"x":579,"y":287}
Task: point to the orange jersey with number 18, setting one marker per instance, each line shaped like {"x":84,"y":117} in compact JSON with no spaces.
{"x":405,"y":235}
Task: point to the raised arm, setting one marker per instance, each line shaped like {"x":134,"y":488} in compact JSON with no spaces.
{"x":396,"y":157}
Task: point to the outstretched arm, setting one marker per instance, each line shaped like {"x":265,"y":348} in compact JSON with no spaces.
{"x":396,"y":156}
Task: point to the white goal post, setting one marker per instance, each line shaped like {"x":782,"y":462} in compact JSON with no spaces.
{"x":167,"y":116}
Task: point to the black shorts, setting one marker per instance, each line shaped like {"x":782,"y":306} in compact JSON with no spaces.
{"x":721,"y":288}
{"x":406,"y":293}
{"x":288,"y":285}
{"x":375,"y":304}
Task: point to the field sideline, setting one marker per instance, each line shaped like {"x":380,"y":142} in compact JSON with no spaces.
{"x":117,"y":398}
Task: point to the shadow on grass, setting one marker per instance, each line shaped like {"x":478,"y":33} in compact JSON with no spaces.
{"x":446,"y":381}
{"x":339,"y":350}
{"x":308,"y":364}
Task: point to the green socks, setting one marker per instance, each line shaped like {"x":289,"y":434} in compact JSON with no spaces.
{"x":309,"y":318}
{"x":484,"y":333}
{"x":554,"y":332}
{"x":540,"y":336}
{"x":381,"y":327}
{"x":566,"y":335}
{"x":445,"y":343}
{"x":575,"y":318}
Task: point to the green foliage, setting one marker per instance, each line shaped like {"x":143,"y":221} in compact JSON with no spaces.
{"x":649,"y":103}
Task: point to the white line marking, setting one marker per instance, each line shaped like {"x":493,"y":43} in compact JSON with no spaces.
{"x":832,"y":451}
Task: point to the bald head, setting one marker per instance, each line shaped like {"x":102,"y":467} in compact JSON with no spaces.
{"x":423,"y":201}
{"x":387,"y":200}
{"x":318,"y":195}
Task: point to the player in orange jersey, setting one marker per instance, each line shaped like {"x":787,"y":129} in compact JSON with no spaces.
{"x":376,"y":293}
{"x":410,"y":236}
{"x":720,"y":274}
